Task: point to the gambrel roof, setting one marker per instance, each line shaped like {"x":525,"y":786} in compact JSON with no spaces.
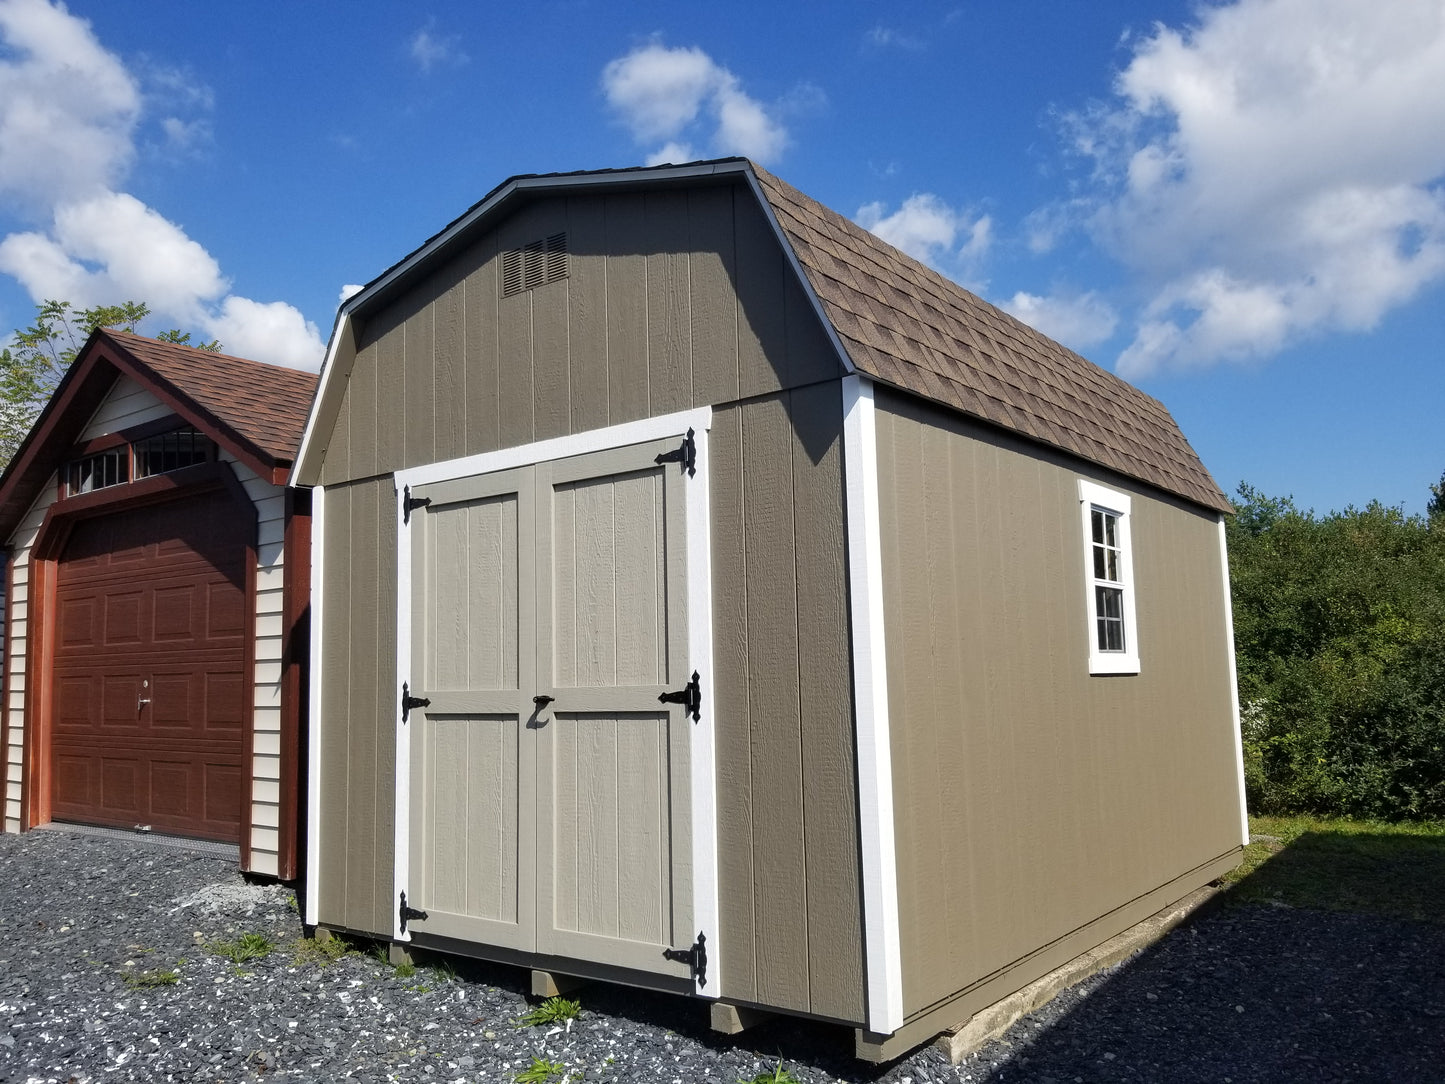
{"x":255,"y":411}
{"x":893,"y":319}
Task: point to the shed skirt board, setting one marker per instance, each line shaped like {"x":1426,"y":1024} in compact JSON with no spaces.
{"x":549,"y":786}
{"x":148,"y":677}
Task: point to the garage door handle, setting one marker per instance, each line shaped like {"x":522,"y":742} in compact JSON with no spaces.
{"x":542,"y":701}
{"x":141,"y":703}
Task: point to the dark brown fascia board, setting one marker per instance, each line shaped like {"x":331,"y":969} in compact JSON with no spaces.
{"x":76,"y":399}
{"x":305,"y":471}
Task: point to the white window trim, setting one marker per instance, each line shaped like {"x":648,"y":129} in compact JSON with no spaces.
{"x":705,"y":899}
{"x":1091,"y":496}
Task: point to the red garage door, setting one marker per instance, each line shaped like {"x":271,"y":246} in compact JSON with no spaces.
{"x":149,"y":669}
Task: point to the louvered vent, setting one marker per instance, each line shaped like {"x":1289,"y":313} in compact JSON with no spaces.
{"x":534,"y":264}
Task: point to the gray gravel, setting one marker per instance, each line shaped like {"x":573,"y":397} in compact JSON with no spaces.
{"x":1244,"y":994}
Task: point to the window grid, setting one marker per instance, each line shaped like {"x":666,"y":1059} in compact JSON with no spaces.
{"x":1108,"y":570}
{"x":144,"y":458}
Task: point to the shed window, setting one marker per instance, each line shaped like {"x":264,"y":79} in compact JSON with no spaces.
{"x":170,"y":451}
{"x":1109,"y":574}
{"x":140,"y":458}
{"x":108,"y":468}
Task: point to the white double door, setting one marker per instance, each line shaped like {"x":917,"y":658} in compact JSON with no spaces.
{"x":549,"y":787}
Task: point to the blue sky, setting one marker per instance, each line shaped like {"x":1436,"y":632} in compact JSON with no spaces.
{"x":1240,"y":207}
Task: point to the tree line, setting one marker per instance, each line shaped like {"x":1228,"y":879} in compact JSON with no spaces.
{"x":1339,"y":624}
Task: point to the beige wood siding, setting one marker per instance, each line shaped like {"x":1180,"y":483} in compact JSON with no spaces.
{"x":789,"y":877}
{"x":672,"y":300}
{"x":357,"y":724}
{"x":129,"y":404}
{"x":1032,"y":798}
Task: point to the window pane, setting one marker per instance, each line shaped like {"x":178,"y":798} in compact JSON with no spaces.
{"x":1098,"y":523}
{"x":1111,"y":530}
{"x":1099,"y":564}
{"x":1112,"y":567}
{"x":1109,"y":606}
{"x":170,"y":451}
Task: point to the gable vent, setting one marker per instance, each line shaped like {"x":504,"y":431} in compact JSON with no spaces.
{"x":534,"y":264}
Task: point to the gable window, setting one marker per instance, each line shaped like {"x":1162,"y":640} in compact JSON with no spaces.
{"x":137,"y":458}
{"x":1109,"y":576}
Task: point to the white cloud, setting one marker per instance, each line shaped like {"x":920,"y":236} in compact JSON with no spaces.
{"x":885,"y":37}
{"x":672,"y":152}
{"x":681,"y":95}
{"x":68,"y":115}
{"x":1279,"y":167}
{"x":350,"y":290}
{"x":68,"y":107}
{"x":431,"y":50}
{"x":931,"y":231}
{"x":1079,"y":321}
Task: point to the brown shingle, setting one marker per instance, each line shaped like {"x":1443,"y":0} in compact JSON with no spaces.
{"x":930,"y":336}
{"x":264,"y":405}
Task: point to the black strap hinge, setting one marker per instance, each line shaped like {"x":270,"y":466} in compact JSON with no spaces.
{"x":408,"y":702}
{"x":409,"y":914}
{"x":409,"y":504}
{"x":686,"y":455}
{"x":690,"y":698}
{"x":695,"y":958}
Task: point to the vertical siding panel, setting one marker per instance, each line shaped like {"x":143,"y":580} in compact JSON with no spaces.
{"x":762,"y":328}
{"x":587,"y":312}
{"x":669,"y":320}
{"x":449,"y":371}
{"x":336,"y":720}
{"x":516,"y":394}
{"x":337,"y":463}
{"x":483,"y":428}
{"x":361,"y":635}
{"x":627,"y":317}
{"x":552,"y":402}
{"x":737,"y":935}
{"x":388,"y":684}
{"x":811,"y":356}
{"x":390,"y":404}
{"x":835,"y":934}
{"x":712,"y":298}
{"x":779,"y":893}
{"x":361,"y":401}
{"x":420,"y":387}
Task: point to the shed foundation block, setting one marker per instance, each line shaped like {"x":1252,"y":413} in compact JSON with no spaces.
{"x":735,"y":1019}
{"x":551,"y":984}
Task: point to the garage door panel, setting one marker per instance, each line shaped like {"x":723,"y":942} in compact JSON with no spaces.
{"x":149,"y":671}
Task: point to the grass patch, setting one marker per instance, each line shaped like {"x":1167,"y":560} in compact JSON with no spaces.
{"x":540,"y":1072}
{"x":249,"y":946}
{"x":1392,"y":870}
{"x":149,"y":980}
{"x":776,"y":1075}
{"x":555,"y":1010}
{"x":314,"y":950}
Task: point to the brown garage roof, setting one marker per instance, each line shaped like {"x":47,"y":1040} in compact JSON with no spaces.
{"x":908,"y":326}
{"x":262,"y":405}
{"x":253,"y":410}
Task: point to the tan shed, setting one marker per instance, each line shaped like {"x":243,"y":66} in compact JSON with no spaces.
{"x":712,"y":598}
{"x":155,"y":601}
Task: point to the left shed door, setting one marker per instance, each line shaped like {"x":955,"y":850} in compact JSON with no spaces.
{"x":149,"y":669}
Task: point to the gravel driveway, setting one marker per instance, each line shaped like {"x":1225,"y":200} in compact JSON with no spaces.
{"x":1244,"y":994}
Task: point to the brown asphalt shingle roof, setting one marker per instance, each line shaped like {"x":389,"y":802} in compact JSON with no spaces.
{"x":264,"y":405}
{"x":910,"y":327}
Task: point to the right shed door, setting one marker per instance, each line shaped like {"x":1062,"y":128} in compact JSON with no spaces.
{"x":548,"y":619}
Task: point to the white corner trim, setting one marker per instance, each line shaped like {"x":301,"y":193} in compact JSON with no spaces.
{"x":1233,"y":685}
{"x":313,"y":725}
{"x":1091,"y":494}
{"x":797,"y":265}
{"x":328,"y":373}
{"x":882,"y":943}
{"x":705,"y":906}
{"x":542,"y":451}
{"x":401,"y":853}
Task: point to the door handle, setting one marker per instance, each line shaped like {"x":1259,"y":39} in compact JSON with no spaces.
{"x":142,"y":702}
{"x":542,"y":701}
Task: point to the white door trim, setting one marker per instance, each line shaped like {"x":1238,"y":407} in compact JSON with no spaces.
{"x":699,"y":635}
{"x":881,"y":940}
{"x":1233,"y":686}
